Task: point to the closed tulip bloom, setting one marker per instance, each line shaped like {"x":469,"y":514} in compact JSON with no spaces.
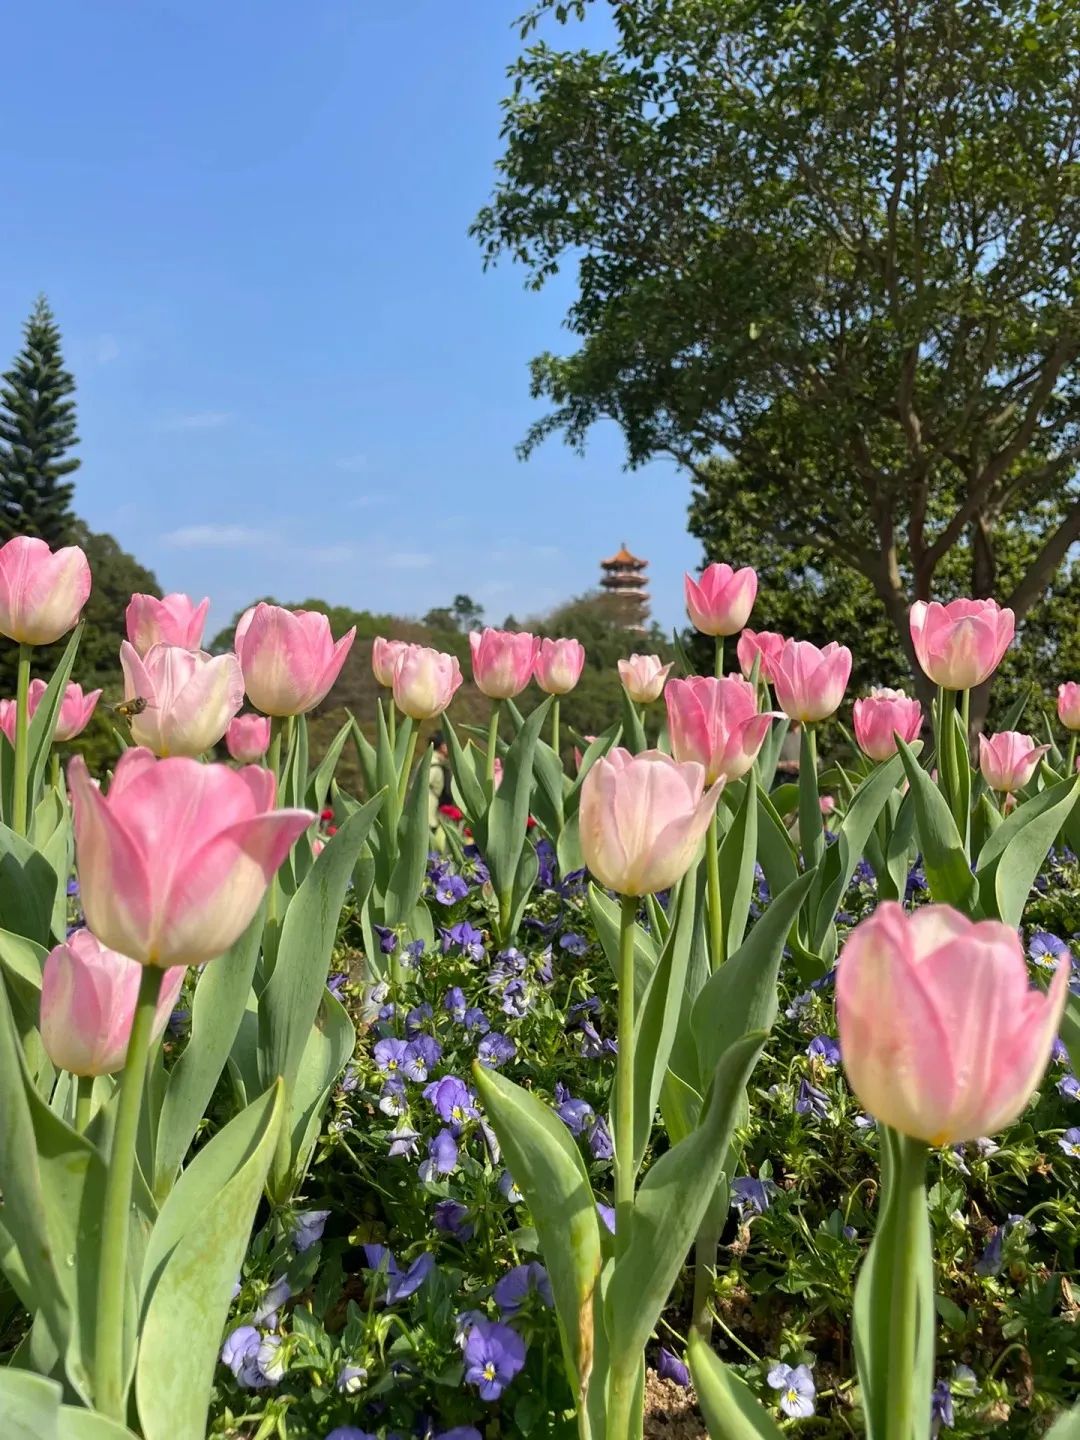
{"x":720,"y":602}
{"x":559,"y":664}
{"x":809,"y":682}
{"x":960,"y":645}
{"x":642,"y":818}
{"x":72,"y":719}
{"x":941,"y":1035}
{"x":42,"y":592}
{"x":289,"y":658}
{"x":1009,"y":759}
{"x":384,"y":657}
{"x":502,"y":661}
{"x":765,"y":643}
{"x":88,"y":1000}
{"x":425,"y":681}
{"x":172,"y":620}
{"x":191,"y":697}
{"x":174,"y":861}
{"x":247,"y":737}
{"x":1069,"y":705}
{"x":643,"y":677}
{"x":715,"y":723}
{"x":882,"y":716}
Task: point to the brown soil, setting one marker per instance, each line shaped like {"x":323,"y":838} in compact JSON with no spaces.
{"x":671,"y":1412}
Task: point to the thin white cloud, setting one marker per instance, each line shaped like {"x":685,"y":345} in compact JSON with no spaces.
{"x":198,"y":420}
{"x":408,"y":560}
{"x":217,"y":537}
{"x":106,"y":349}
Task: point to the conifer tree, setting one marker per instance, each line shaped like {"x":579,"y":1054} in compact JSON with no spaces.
{"x":37,"y":432}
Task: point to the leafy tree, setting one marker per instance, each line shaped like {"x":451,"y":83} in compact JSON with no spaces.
{"x":835,"y":244}
{"x":37,"y":430}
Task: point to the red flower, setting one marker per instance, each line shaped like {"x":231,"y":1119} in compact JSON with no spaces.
{"x":326,"y":814}
{"x":451,"y":812}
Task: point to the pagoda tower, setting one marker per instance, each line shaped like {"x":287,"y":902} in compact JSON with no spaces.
{"x":624,"y":582}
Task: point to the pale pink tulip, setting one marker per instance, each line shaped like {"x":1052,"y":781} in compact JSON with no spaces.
{"x":173,"y":620}
{"x":941,"y":1034}
{"x":384,"y":657}
{"x":753,"y":643}
{"x":720,"y":602}
{"x":425,"y":681}
{"x":642,"y":819}
{"x":502,"y":661}
{"x":643,"y":677}
{"x":72,"y":719}
{"x":288,"y":657}
{"x":559,"y":664}
{"x":809,"y":682}
{"x":882,"y":716}
{"x":1009,"y":759}
{"x":960,"y":645}
{"x":88,"y":1000}
{"x":716,"y":723}
{"x":191,"y":697}
{"x":247,"y":737}
{"x":174,"y":861}
{"x":1069,"y":705}
{"x":42,"y":593}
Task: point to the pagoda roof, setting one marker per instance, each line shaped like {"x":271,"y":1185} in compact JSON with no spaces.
{"x":624,"y":557}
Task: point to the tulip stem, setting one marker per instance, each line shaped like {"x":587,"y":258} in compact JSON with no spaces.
{"x":555,"y":724}
{"x":811,"y":828}
{"x":22,"y":740}
{"x":1070,"y":764}
{"x":492,"y":746}
{"x":624,"y":1080}
{"x":716,"y":904}
{"x":84,"y":1099}
{"x":110,"y":1385}
{"x":719,"y":656}
{"x":403,"y":778}
{"x":391,"y":726}
{"x":911,"y":1241}
{"x":273,"y":758}
{"x":54,"y":769}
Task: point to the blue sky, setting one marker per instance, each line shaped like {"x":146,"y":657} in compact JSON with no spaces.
{"x":294,"y":376}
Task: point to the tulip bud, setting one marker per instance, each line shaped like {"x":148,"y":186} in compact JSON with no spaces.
{"x":384,"y":657}
{"x":720,"y":602}
{"x":643,"y":677}
{"x":173,"y":620}
{"x":961,"y":644}
{"x":71,"y":720}
{"x":1009,"y":759}
{"x":41,"y":593}
{"x":941,"y":1035}
{"x":809,"y":682}
{"x":1069,"y":705}
{"x":425,"y":681}
{"x":882,"y":716}
{"x":765,"y":643}
{"x":715,"y":723}
{"x":558,"y":665}
{"x":190,"y":697}
{"x":502,"y":661}
{"x":247,"y":738}
{"x":88,"y":999}
{"x":288,"y":658}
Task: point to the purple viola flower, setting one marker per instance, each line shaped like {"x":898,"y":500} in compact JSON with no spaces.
{"x":797,"y":1389}
{"x":575,"y":1114}
{"x":389,"y":1055}
{"x":413,"y":953}
{"x":336,"y":983}
{"x":941,"y":1408}
{"x":670,"y":1367}
{"x":825,"y":1049}
{"x":513,"y":1289}
{"x":544,"y":972}
{"x":607,"y":1215}
{"x":442,"y":1156}
{"x":421,"y":1056}
{"x":799,"y":1004}
{"x":495,"y":1050}
{"x":573,"y":943}
{"x":417,"y":1018}
{"x":592,"y":1047}
{"x":388,"y":940}
{"x":453,"y":1100}
{"x":463,"y":1323}
{"x":402,"y":1139}
{"x":1069,"y":1087}
{"x":351,"y":1379}
{"x":1046,"y":949}
{"x":452,"y":1218}
{"x":1058,"y":1052}
{"x":750,"y":1196}
{"x":600,"y":1142}
{"x":466,"y":937}
{"x":308,"y":1226}
{"x":591,"y":1005}
{"x":1070,"y":1141}
{"x":400,"y":1283}
{"x":449,"y":889}
{"x":455,"y":1004}
{"x":475,"y":1021}
{"x":392,"y":1098}
{"x":512,"y":960}
{"x":509,"y":1188}
{"x":272,"y":1301}
{"x":545,"y":859}
{"x":811,"y":1101}
{"x":516,"y":1000}
{"x":240,"y":1353}
{"x":494,"y":1354}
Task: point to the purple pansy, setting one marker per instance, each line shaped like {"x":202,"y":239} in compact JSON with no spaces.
{"x":453,"y":1100}
{"x":455,"y":1004}
{"x":442,"y":1156}
{"x":494,"y":1354}
{"x":452,"y":1218}
{"x":810,"y":1100}
{"x":400,"y":1284}
{"x":670,"y":1367}
{"x":308,"y":1226}
{"x":513,"y":1289}
{"x":495,"y":1049}
{"x":750,"y":1196}
{"x":825,"y":1049}
{"x":421,"y":1056}
{"x":389,"y":1054}
{"x":796,"y":1387}
{"x":449,"y":889}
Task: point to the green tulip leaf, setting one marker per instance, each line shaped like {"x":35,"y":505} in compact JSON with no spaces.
{"x":730,"y":1409}
{"x":944,"y":857}
{"x":414,"y":841}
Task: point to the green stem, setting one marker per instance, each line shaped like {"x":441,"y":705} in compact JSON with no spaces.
{"x":620,"y":1418}
{"x":943,"y":747}
{"x":22,"y":739}
{"x":965,"y":716}
{"x":55,"y":774}
{"x":273,"y":757}
{"x":719,"y":655}
{"x":492,"y":745}
{"x":110,"y":1387}
{"x":391,"y":725}
{"x":716,"y":906}
{"x":84,"y":1095}
{"x":410,"y":755}
{"x":911,"y":1219}
{"x":811,"y":822}
{"x":1070,"y":764}
{"x":705,"y":1251}
{"x":555,"y":725}
{"x":624,"y":1081}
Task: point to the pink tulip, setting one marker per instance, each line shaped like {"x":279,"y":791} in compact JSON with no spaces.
{"x":642,"y":819}
{"x":174,"y":861}
{"x":88,"y":1000}
{"x":502,"y":661}
{"x":289,"y":658}
{"x":1009,"y":759}
{"x":1069,"y":705}
{"x":247,"y":737}
{"x":384,"y":656}
{"x":191,"y":697}
{"x":765,"y":643}
{"x":425,"y":681}
{"x":173,"y":620}
{"x":720,"y":602}
{"x":809,"y":682}
{"x":73,"y":718}
{"x":715,"y":723}
{"x":41,"y":592}
{"x":960,"y":645}
{"x":559,"y":664}
{"x":882,"y":716}
{"x":941,"y":1034}
{"x":643,"y":677}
